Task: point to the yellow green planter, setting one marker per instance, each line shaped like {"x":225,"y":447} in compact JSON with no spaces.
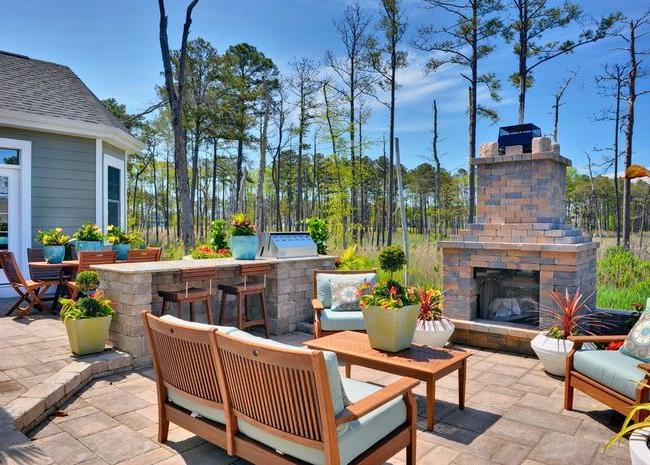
{"x":88,"y":335}
{"x":391,"y":329}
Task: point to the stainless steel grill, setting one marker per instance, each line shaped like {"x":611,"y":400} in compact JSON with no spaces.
{"x":288,"y":245}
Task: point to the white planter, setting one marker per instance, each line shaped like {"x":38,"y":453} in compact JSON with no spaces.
{"x":433,"y":333}
{"x":638,"y":443}
{"x":553,"y":352}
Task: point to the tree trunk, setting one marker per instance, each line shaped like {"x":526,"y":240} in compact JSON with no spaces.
{"x":617,"y":194}
{"x":629,"y":133}
{"x":523,"y":56}
{"x":436,"y":159}
{"x":259,"y":200}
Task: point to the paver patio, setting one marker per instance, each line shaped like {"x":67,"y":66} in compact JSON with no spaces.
{"x":513,"y":415}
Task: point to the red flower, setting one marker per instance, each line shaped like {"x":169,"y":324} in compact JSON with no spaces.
{"x":614,"y":345}
{"x":393,"y":291}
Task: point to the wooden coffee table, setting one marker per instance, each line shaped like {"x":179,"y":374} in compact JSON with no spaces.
{"x":421,"y":362}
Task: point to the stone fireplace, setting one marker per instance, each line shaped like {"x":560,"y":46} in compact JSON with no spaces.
{"x":498,"y":272}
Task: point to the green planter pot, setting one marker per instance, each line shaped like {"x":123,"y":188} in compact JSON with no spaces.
{"x":88,"y":336}
{"x":391,"y":330}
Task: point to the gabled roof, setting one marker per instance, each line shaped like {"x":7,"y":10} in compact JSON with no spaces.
{"x":51,"y":97}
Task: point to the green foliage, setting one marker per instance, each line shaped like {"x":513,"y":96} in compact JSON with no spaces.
{"x":53,"y":236}
{"x":218,"y":235}
{"x":86,"y":307}
{"x":115,"y":235}
{"x":89,"y":232}
{"x":241,"y":225}
{"x":392,"y":259}
{"x":623,"y":299}
{"x":619,"y":268}
{"x":317,"y":229}
{"x":87,"y":281}
{"x":206,"y":251}
{"x":350,"y":260}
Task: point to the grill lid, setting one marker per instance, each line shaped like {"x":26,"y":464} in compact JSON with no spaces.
{"x":519,"y":134}
{"x":288,"y":245}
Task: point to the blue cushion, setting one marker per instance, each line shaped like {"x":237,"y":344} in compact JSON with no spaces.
{"x":331,"y":364}
{"x":177,"y":321}
{"x":610,"y":368}
{"x":324,"y":287}
{"x":360,"y":435}
{"x":214,"y":414}
{"x":331,"y":320}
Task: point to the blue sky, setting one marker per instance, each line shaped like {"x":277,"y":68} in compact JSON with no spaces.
{"x":113,"y":46}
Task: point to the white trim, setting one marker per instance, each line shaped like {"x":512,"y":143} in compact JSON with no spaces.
{"x":25,"y":192}
{"x":112,"y":134}
{"x":99,"y":182}
{"x":110,"y":160}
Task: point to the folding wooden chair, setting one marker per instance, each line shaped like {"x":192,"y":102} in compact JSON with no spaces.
{"x":29,"y":291}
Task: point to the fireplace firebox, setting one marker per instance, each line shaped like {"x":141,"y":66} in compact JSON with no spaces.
{"x":508,"y":295}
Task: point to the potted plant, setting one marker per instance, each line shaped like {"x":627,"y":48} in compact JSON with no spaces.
{"x":88,"y":237}
{"x":433,"y":328}
{"x":571,"y":317}
{"x":120,"y":240}
{"x":53,"y":244}
{"x":243,"y":240}
{"x":390,"y":311}
{"x":86,"y":282}
{"x":87,"y":321}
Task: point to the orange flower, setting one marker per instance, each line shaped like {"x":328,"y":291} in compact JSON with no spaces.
{"x":393,"y":291}
{"x":636,"y":171}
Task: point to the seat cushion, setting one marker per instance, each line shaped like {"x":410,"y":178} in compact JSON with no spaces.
{"x":331,"y":320}
{"x":359,"y":436}
{"x":178,"y":321}
{"x":611,"y":368}
{"x":324,"y":286}
{"x":637,"y":342}
{"x":211,"y":413}
{"x":339,"y":400}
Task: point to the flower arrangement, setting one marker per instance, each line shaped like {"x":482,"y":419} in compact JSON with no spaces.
{"x":205,"y":251}
{"x":115,"y":235}
{"x":86,"y":307}
{"x":89,"y":232}
{"x":241,"y":225}
{"x":387,"y":295}
{"x":53,"y":236}
{"x":430,"y":305}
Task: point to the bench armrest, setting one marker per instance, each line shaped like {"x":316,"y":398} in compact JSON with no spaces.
{"x":579,"y":340}
{"x":376,"y":399}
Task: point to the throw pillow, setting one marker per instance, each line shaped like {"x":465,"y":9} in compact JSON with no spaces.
{"x":324,"y":284}
{"x":345,"y":295}
{"x":637,"y":342}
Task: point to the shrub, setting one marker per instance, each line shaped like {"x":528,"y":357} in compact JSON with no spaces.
{"x":317,"y":229}
{"x":218,"y":233}
{"x":241,"y":225}
{"x":86,"y":307}
{"x":53,"y":236}
{"x":89,"y":232}
{"x":392,"y":259}
{"x":87,"y":281}
{"x":619,"y":268}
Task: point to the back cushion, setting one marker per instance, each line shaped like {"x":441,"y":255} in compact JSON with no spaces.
{"x":637,"y":342}
{"x":324,"y":284}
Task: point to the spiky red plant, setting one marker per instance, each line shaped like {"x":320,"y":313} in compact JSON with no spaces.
{"x":571,"y":316}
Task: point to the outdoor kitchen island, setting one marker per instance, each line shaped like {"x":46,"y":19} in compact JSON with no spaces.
{"x":133,"y":287}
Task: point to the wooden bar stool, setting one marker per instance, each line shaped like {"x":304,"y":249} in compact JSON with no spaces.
{"x":191,"y":295}
{"x":242,"y":291}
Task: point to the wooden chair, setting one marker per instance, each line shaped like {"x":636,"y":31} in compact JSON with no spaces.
{"x":56,"y":277}
{"x":86,"y":260}
{"x":184,"y":362}
{"x":615,"y":366}
{"x":280,"y":410}
{"x":191,"y":295}
{"x":242,"y":291}
{"x":319,"y":308}
{"x":150,"y":254}
{"x":29,"y":290}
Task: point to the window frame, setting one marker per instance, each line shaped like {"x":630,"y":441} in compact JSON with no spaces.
{"x":113,"y":162}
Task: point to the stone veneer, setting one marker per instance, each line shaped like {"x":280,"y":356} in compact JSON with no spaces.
{"x":520,"y":224}
{"x":134,"y":288}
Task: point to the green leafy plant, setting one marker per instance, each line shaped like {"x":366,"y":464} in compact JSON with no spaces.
{"x":218,"y":235}
{"x":53,"y":236}
{"x":89,"y":232}
{"x":392,"y":259}
{"x":205,"y":251}
{"x":388,"y":294}
{"x":317,"y":229}
{"x":87,"y":281}
{"x":241,"y":225}
{"x":620,"y":269}
{"x":430,"y":304}
{"x":115,"y":235}
{"x":86,"y":307}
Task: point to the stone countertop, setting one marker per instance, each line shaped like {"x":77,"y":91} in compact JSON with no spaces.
{"x":177,"y":265}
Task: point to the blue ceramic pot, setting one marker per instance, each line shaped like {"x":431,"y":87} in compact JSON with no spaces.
{"x":54,"y":253}
{"x":122,"y":250}
{"x":88,"y":246}
{"x":244,"y":247}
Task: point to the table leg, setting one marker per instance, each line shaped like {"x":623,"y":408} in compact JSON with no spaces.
{"x":462,"y":381}
{"x":431,"y":403}
{"x":348,"y":370}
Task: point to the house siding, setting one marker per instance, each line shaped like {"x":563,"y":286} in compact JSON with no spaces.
{"x":113,"y":151}
{"x":63,"y":178}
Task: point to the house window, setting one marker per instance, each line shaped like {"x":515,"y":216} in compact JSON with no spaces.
{"x":9,"y":156}
{"x":114,"y":198}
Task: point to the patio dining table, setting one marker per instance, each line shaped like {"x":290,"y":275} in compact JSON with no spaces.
{"x":70,"y":265}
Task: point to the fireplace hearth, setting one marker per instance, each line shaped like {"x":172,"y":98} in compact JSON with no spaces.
{"x":508,"y":295}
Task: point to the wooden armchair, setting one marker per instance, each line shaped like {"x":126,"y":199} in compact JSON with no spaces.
{"x":608,"y":376}
{"x":86,"y":260}
{"x":340,"y":321}
{"x":280,"y":408}
{"x":28,"y":290}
